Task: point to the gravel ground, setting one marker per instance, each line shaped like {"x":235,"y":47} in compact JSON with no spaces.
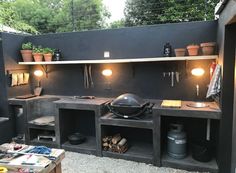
{"x":82,"y":163}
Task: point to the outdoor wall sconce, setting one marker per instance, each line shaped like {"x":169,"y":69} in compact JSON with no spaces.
{"x":198,"y":72}
{"x":107,"y":73}
{"x":38,"y":89}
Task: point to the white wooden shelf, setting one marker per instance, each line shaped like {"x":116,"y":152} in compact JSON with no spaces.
{"x":111,"y":61}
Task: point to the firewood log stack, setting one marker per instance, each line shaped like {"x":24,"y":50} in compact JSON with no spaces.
{"x":115,"y":144}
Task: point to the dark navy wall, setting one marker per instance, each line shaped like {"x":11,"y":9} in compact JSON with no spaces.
{"x":135,"y":42}
{"x":3,"y":93}
{"x":11,"y":53}
{"x":9,"y":56}
{"x":147,"y":80}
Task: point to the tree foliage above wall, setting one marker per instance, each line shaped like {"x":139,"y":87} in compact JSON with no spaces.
{"x":148,"y":12}
{"x":50,"y":16}
{"x":10,"y":18}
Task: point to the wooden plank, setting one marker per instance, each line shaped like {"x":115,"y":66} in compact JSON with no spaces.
{"x":57,"y":169}
{"x":119,"y":60}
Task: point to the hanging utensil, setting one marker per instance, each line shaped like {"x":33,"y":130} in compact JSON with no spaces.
{"x":90,"y":77}
{"x":172,"y":79}
{"x":86,"y":80}
{"x":177,"y":76}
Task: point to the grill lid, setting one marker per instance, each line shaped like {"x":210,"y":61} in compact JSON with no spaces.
{"x":128,"y":100}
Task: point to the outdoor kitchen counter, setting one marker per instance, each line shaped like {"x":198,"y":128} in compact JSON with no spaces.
{"x":84,"y":104}
{"x":61,"y":101}
{"x":15,"y":101}
{"x":212,"y":111}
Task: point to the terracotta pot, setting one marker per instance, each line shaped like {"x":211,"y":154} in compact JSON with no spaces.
{"x":27,"y":55}
{"x":180,"y":52}
{"x":38,"y":57}
{"x":47,"y":57}
{"x":208,"y":48}
{"x":193,"y":50}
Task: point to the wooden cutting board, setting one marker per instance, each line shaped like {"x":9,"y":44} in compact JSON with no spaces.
{"x":171,"y":103}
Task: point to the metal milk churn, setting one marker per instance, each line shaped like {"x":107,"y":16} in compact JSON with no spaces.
{"x":176,"y":141}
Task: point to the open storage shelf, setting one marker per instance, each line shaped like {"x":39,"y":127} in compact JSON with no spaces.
{"x":88,"y":147}
{"x":19,"y":119}
{"x":189,"y":163}
{"x":138,"y":151}
{"x":197,"y":128}
{"x":145,"y":121}
{"x":140,"y":147}
{"x":81,"y":121}
{"x":130,"y":60}
{"x":34,"y":132}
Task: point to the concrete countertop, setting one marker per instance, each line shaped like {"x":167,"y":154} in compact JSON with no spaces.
{"x":71,"y":100}
{"x":61,"y":101}
{"x":212,"y":111}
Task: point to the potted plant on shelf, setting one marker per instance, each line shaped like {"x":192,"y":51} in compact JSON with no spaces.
{"x":193,"y":49}
{"x":180,"y":52}
{"x":26,"y":51}
{"x":48,"y":53}
{"x":38,"y":53}
{"x":208,"y":48}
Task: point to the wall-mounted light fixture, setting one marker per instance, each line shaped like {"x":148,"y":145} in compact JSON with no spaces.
{"x":38,"y":89}
{"x":198,"y":72}
{"x":107,"y":73}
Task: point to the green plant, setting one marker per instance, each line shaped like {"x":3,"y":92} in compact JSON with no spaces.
{"x":48,"y":50}
{"x":27,"y":46}
{"x":37,"y":49}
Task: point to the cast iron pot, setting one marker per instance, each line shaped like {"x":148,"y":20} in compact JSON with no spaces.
{"x":76,"y":138}
{"x":201,"y":150}
{"x":129,"y":106}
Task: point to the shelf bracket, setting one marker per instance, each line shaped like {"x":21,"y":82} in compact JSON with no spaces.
{"x":45,"y":68}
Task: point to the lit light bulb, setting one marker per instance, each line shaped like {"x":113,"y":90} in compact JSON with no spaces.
{"x":198,"y":71}
{"x":38,"y":73}
{"x":107,"y":72}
